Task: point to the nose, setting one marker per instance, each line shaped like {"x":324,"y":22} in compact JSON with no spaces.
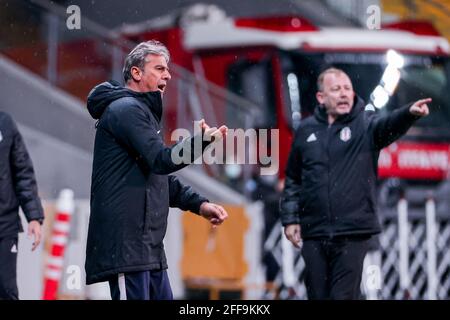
{"x":344,"y":93}
{"x":167,"y":76}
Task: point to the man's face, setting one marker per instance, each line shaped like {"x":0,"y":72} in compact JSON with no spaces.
{"x":155,"y":75}
{"x":337,"y":94}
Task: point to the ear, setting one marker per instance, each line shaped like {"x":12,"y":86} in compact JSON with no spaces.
{"x":136,"y":73}
{"x":320,"y":97}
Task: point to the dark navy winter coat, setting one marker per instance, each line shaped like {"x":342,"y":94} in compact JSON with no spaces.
{"x":131,"y":187}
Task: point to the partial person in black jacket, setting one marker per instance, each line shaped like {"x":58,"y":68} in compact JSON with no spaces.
{"x":132,"y":188}
{"x":328,"y":203}
{"x":17,"y":188}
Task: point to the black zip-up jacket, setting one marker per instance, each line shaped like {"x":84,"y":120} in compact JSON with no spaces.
{"x":131,"y":190}
{"x":330,"y":186}
{"x":17,"y":181}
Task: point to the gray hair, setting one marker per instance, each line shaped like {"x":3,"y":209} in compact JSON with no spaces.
{"x":136,"y":58}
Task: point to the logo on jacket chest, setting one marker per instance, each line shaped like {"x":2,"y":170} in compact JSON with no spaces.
{"x":345,"y":134}
{"x":312,"y":137}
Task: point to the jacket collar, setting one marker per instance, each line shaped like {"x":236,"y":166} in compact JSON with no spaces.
{"x":103,"y":94}
{"x":152,"y":100}
{"x":321,"y":115}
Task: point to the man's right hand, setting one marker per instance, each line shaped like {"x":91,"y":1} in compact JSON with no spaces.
{"x":213,"y":132}
{"x":293,"y":234}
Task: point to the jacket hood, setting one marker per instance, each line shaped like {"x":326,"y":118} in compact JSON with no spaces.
{"x":102,"y":95}
{"x":358,"y":106}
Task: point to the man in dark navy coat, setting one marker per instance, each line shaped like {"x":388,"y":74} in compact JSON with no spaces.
{"x":132,"y":188}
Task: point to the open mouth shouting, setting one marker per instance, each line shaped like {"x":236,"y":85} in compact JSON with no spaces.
{"x":343,"y":104}
{"x":162,"y":87}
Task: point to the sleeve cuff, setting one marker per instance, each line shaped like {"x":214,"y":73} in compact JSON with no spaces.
{"x":40,"y":220}
{"x":196,"y":207}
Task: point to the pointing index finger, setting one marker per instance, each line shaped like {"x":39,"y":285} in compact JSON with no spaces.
{"x":424,"y":101}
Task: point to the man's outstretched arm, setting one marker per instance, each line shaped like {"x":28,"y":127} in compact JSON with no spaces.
{"x":132,"y":127}
{"x":386,"y":129}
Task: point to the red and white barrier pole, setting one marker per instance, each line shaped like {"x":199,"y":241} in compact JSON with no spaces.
{"x":60,"y":234}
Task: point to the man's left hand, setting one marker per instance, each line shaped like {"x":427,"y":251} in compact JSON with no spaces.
{"x":213,"y":213}
{"x":420,"y":107}
{"x":34,"y":229}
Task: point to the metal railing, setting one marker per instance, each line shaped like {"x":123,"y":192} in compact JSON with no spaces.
{"x":413,"y":259}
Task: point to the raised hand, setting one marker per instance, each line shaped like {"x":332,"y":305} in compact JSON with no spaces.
{"x":217,"y":134}
{"x":420,"y":107}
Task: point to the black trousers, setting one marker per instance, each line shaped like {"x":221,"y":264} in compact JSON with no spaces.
{"x":144,"y":285}
{"x":333,"y":267}
{"x":8,"y":268}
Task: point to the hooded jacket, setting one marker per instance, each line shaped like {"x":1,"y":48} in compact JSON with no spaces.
{"x":18,"y":185}
{"x":330,"y":186}
{"x":131,"y":190}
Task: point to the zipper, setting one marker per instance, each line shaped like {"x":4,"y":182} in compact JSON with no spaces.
{"x":329,"y":182}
